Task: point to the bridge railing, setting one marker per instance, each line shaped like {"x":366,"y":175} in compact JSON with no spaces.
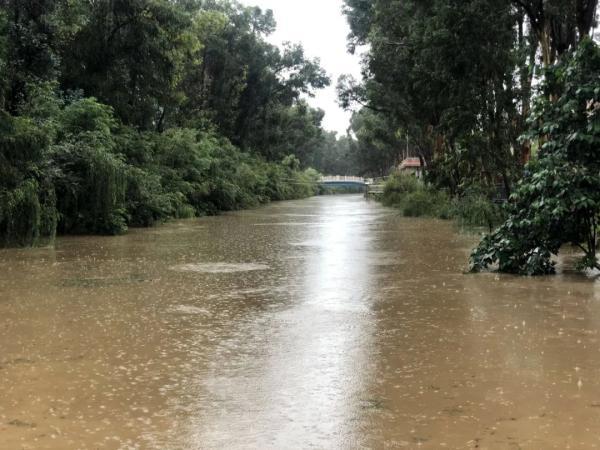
{"x":342,"y":179}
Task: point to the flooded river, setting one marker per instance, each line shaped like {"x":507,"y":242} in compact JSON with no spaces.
{"x":327,"y":323}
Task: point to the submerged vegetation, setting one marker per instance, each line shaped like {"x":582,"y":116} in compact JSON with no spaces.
{"x":128,"y":113}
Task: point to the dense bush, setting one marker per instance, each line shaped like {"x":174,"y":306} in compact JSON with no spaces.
{"x":475,"y":208}
{"x":89,"y":177}
{"x":426,"y":203}
{"x":398,"y":187}
{"x":414,"y":198}
{"x":73,"y":168}
{"x":417,"y":199}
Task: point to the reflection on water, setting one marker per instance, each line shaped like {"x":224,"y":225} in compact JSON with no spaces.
{"x":322,"y":323}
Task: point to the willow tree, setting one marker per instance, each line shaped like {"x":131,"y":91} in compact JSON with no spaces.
{"x":27,"y":201}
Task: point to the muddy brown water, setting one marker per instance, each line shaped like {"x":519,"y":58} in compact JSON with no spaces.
{"x":327,"y":323}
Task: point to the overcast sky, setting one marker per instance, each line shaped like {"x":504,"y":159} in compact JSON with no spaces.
{"x":321,"y":28}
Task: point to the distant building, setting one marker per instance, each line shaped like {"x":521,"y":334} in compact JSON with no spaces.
{"x":411,"y":166}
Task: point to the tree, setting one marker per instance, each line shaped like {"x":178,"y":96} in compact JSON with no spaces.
{"x":247,"y":82}
{"x":338,"y":155}
{"x":293,"y":130}
{"x":443,"y":71}
{"x":29,"y":54}
{"x":558,"y":202}
{"x":126,"y":55}
{"x":27,"y":200}
{"x":380,"y":146}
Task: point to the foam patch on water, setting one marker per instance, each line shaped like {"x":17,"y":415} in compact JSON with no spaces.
{"x":219,"y":267}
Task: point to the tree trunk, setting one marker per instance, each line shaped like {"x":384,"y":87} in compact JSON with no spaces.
{"x":546,"y":46}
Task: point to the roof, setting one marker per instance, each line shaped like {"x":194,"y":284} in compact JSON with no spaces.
{"x":410,"y":163}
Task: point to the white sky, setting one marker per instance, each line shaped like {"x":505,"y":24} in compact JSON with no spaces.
{"x":321,"y":28}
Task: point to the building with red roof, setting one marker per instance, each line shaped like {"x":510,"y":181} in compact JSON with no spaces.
{"x":412,"y":166}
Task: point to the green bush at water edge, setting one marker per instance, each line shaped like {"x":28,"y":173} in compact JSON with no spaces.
{"x":71,"y":167}
{"x":416,"y":199}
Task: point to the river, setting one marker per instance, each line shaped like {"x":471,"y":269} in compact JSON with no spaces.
{"x":326,"y":323}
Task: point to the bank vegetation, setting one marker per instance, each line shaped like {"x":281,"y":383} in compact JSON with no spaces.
{"x":497,"y":100}
{"x":131,"y":112}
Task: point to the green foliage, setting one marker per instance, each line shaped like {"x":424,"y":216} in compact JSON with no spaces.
{"x":297,"y":130}
{"x":476,"y":209}
{"x":127,"y":54}
{"x":417,"y":199}
{"x":183,"y":173}
{"x":398,"y":187}
{"x":414,"y":198}
{"x":558,"y":202}
{"x":425,"y":203}
{"x":148,"y":203}
{"x":89,"y":175}
{"x":338,"y":156}
{"x":28,"y":57}
{"x":27,"y":214}
{"x":87,"y":116}
{"x":129,"y":113}
{"x":379,"y":146}
{"x":559,"y":25}
{"x":441,"y":75}
{"x":202,"y":65}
